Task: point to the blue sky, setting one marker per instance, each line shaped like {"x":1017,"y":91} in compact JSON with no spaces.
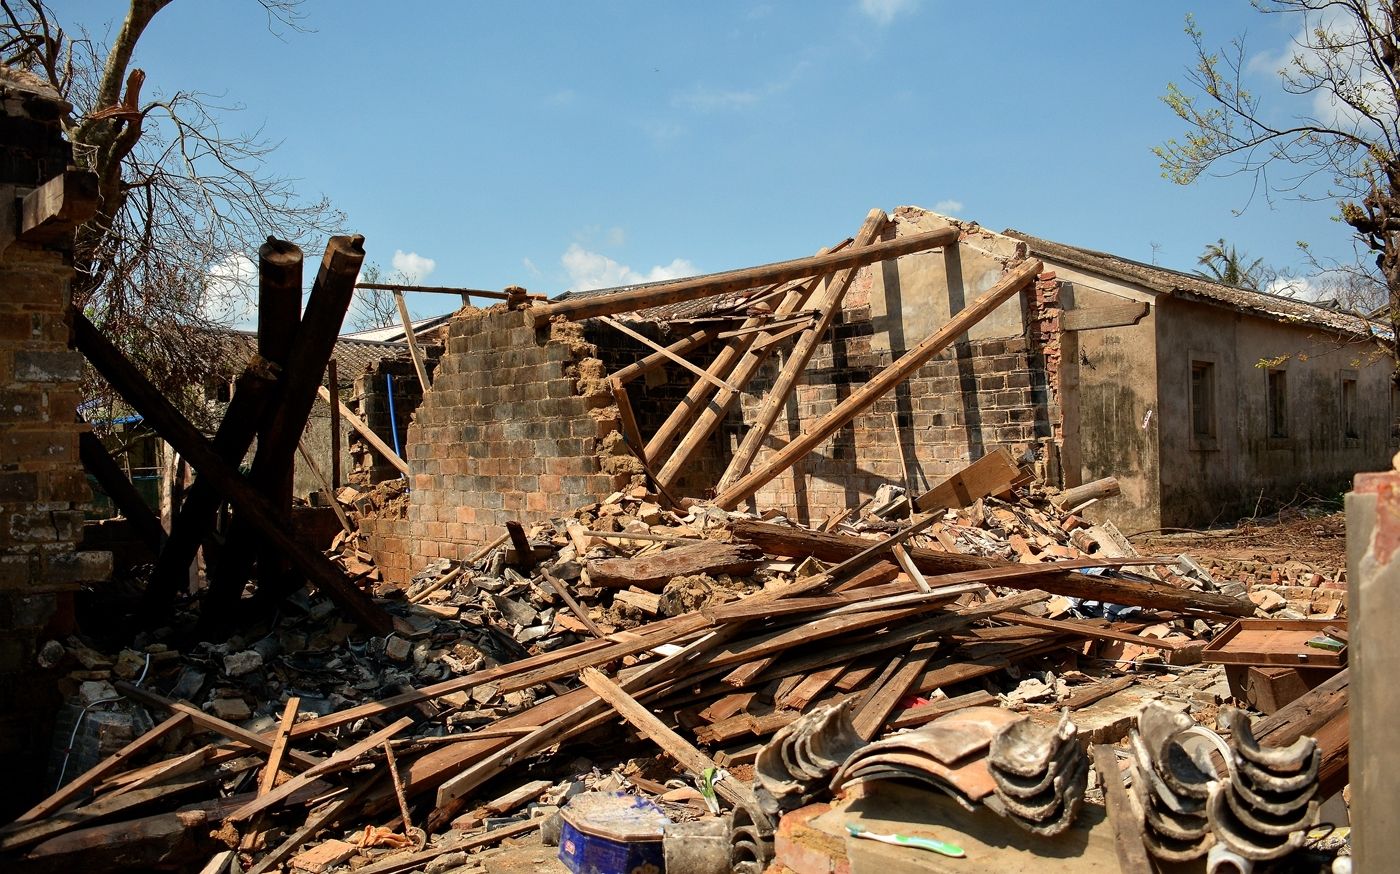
{"x":564,"y":144}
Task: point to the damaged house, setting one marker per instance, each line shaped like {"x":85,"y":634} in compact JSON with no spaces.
{"x":1199,"y":398}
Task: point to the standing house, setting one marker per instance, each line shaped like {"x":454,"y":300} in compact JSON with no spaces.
{"x":1100,"y":366}
{"x":1217,"y":397}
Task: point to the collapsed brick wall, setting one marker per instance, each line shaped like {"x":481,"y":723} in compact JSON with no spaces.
{"x":43,"y":489}
{"x":519,"y":424}
{"x":976,"y":396}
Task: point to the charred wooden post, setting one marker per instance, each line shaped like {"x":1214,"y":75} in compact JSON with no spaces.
{"x":333,"y":381}
{"x":279,"y":312}
{"x":118,"y":487}
{"x":175,"y":429}
{"x":198,"y":513}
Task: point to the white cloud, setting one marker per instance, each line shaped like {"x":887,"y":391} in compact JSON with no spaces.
{"x":231,"y":292}
{"x":882,"y":12}
{"x":530,"y":266}
{"x":414,"y":268}
{"x":948,"y":207}
{"x":1300,"y":287}
{"x":616,"y":237}
{"x":588,"y":270}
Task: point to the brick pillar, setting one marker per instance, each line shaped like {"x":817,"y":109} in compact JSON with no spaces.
{"x":43,"y":489}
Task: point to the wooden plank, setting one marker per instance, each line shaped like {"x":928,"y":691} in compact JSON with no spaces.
{"x":413,"y":351}
{"x":524,"y":553}
{"x":279,"y":747}
{"x":76,"y":787}
{"x":989,"y":475}
{"x":1113,"y":315}
{"x":56,"y":208}
{"x":811,"y":686}
{"x":657,"y":347}
{"x":329,"y":490}
{"x":912,"y":716}
{"x":1096,"y":632}
{"x":323,"y":818}
{"x":209,"y":722}
{"x":882,"y":383}
{"x":795,"y":363}
{"x":687,"y":755}
{"x":339,"y":759}
{"x":906,"y":564}
{"x":713,"y":284}
{"x":689,"y":343}
{"x":26,"y":832}
{"x":874,"y":712}
{"x":365,"y":431}
{"x":1097,"y":692}
{"x":1055,"y":577}
{"x":647,"y":602}
{"x":1127,"y":833}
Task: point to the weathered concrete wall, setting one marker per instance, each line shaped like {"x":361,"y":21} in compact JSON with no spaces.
{"x":1225,"y":478}
{"x":42,"y":486}
{"x":1110,"y":400}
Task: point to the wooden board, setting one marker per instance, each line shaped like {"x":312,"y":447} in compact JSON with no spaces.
{"x":989,"y":475}
{"x":1280,"y":642}
{"x":652,"y":572}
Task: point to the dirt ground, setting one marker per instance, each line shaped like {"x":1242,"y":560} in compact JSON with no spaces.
{"x":1315,"y":540}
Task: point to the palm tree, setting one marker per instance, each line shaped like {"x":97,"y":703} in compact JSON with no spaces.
{"x":1225,"y":265}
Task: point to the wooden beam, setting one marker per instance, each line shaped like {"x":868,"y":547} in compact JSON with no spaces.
{"x":441,"y":289}
{"x":175,"y":429}
{"x":662,"y":350}
{"x":113,"y":480}
{"x":686,"y":754}
{"x":1056,"y":577}
{"x":795,"y":364}
{"x":862,"y":398}
{"x":365,"y":431}
{"x":210,"y":722}
{"x":412,"y":339}
{"x":561,"y":588}
{"x":689,"y":343}
{"x":1114,"y":315}
{"x":738,"y":280}
{"x":923,"y":713}
{"x":321,"y":819}
{"x":326,"y":484}
{"x":1097,"y":490}
{"x":55,"y":209}
{"x":745,"y":355}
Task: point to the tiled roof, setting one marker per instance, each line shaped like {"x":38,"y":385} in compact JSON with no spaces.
{"x":352,"y":356}
{"x":1176,"y":283}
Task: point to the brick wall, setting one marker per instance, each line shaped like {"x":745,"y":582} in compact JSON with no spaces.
{"x":42,"y":486}
{"x":519,"y":424}
{"x":976,"y":396}
{"x":371,"y":402}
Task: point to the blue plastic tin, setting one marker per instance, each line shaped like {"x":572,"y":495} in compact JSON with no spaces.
{"x":611,"y":833}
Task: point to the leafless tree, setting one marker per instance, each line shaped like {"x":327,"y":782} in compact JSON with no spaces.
{"x":183,"y":201}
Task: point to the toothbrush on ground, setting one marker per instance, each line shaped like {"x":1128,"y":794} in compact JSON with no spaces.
{"x":946,"y":849}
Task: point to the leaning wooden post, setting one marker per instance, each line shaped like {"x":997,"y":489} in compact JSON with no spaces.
{"x":114,"y":481}
{"x":279,"y":313}
{"x":858,"y":401}
{"x":412,"y":340}
{"x":193,"y":524}
{"x":173,"y":427}
{"x":796,"y":362}
{"x":333,"y":381}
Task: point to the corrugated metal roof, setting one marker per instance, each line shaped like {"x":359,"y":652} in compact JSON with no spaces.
{"x":1176,"y":283}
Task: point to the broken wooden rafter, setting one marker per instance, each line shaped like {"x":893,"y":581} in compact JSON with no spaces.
{"x":56,"y":208}
{"x":795,"y":364}
{"x":689,"y":343}
{"x":413,"y":351}
{"x":681,"y":290}
{"x":1058,"y":578}
{"x":1016,"y":278}
{"x":443,"y":289}
{"x":175,"y":429}
{"x":662,"y":350}
{"x":365,"y":431}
